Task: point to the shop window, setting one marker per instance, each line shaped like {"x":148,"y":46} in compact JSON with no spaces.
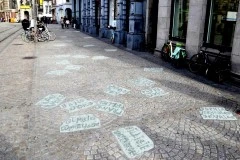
{"x":180,"y":9}
{"x":220,"y":22}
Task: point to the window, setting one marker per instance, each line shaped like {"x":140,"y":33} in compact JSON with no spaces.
{"x":220,"y":22}
{"x":46,"y":9}
{"x":50,"y":10}
{"x":179,"y":19}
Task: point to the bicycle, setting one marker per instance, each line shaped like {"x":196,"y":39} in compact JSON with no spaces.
{"x":112,"y":36}
{"x":214,"y":65}
{"x":176,"y":56}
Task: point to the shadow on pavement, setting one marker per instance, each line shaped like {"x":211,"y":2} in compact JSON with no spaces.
{"x":196,"y":93}
{"x":6,"y":150}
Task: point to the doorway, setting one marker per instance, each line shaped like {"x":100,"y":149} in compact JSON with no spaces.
{"x":220,"y":23}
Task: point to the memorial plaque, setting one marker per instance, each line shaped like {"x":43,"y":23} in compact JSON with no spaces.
{"x":79,"y":123}
{"x":73,"y":67}
{"x":216,"y":113}
{"x":155,"y":70}
{"x":110,"y":107}
{"x":99,"y":57}
{"x":80,"y":56}
{"x":110,"y":50}
{"x":63,"y":62}
{"x":143,"y":82}
{"x":90,"y":45}
{"x":60,"y":45}
{"x":51,"y":101}
{"x":62,"y":56}
{"x":115,"y":90}
{"x":77,"y":104}
{"x":58,"y":72}
{"x":154,"y":92}
{"x":133,"y":141}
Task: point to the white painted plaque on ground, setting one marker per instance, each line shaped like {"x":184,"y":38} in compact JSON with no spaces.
{"x":133,"y":141}
{"x":115,"y":90}
{"x":58,"y":72}
{"x":216,"y":113}
{"x":73,"y":67}
{"x":89,"y":45}
{"x":155,"y":70}
{"x":110,"y":107}
{"x":79,"y":123}
{"x":51,"y":101}
{"x":99,"y":57}
{"x":77,"y":104}
{"x":80,"y":56}
{"x":63,"y":62}
{"x":60,"y":45}
{"x":110,"y":50}
{"x":62,"y":56}
{"x":154,"y":92}
{"x":143,"y":82}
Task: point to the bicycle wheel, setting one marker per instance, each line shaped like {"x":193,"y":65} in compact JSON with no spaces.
{"x":195,"y":63}
{"x":52,"y":36}
{"x":29,"y":38}
{"x":165,"y":52}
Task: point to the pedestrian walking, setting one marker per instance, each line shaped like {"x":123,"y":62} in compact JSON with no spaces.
{"x":25,"y":24}
{"x":74,"y":22}
{"x":67,"y":23}
{"x":62,"y":22}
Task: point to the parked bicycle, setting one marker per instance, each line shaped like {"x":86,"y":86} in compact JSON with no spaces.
{"x":42,"y":34}
{"x":215,"y":65}
{"x":174,"y":53}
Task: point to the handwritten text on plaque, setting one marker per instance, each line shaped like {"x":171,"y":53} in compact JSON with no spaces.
{"x":133,"y":141}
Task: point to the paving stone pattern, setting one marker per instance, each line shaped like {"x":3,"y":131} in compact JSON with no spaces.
{"x":168,"y":111}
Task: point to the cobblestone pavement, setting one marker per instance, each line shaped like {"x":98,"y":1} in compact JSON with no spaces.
{"x":80,"y":98}
{"x":8,"y":29}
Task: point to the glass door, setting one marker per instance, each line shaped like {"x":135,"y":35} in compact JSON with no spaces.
{"x":220,"y":22}
{"x":179,"y":22}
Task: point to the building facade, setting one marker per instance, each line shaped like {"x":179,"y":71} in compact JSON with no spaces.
{"x":9,"y":9}
{"x":63,"y":8}
{"x":132,"y":19}
{"x":211,"y":23}
{"x":151,"y":23}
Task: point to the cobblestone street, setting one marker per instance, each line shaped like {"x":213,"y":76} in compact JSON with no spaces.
{"x":79,"y":98}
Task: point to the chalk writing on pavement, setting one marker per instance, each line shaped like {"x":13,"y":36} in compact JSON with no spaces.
{"x":154,"y":92}
{"x":216,"y":113}
{"x":110,"y":107}
{"x":153,"y":70}
{"x":78,"y":123}
{"x":51,"y":101}
{"x":80,"y":56}
{"x":115,"y":90}
{"x":63,"y":62}
{"x":133,"y":141}
{"x":73,"y":67}
{"x":143,"y":82}
{"x":99,"y":57}
{"x":77,"y":104}
{"x":58,"y":72}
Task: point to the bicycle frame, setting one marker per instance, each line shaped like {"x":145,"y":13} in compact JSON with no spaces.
{"x":175,"y":55}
